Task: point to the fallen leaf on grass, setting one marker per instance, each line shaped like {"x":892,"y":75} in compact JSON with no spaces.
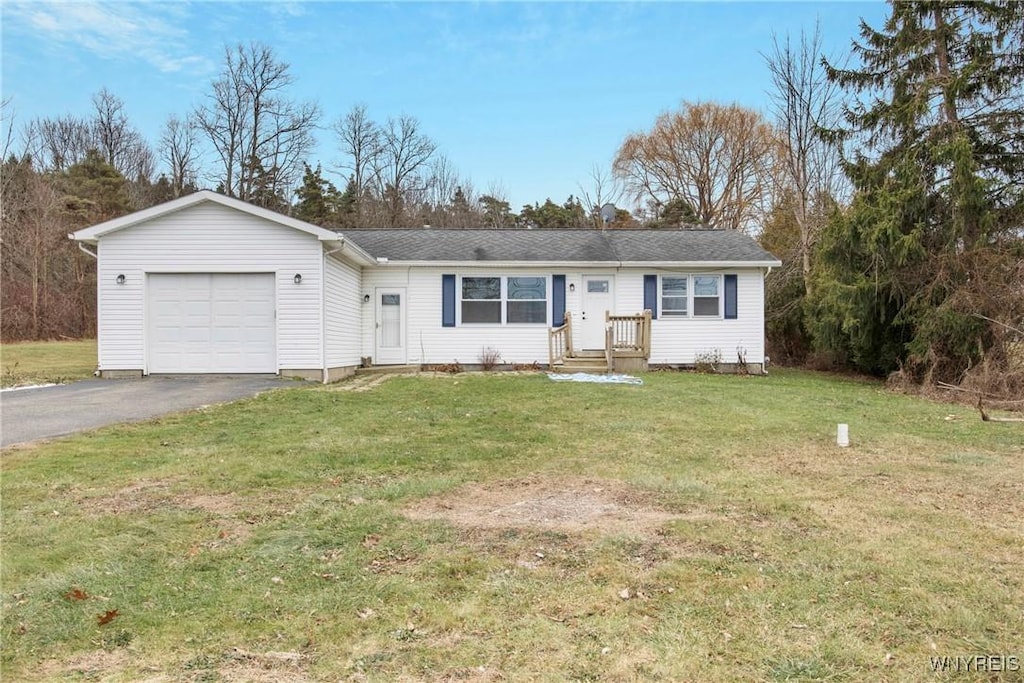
{"x":106,"y":617}
{"x":365,"y":613}
{"x":371,"y":540}
{"x":76,"y":594}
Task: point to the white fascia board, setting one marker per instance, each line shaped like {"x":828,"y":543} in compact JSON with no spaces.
{"x":662,"y":265}
{"x":700,"y":264}
{"x":343,"y":247}
{"x":499,"y":264}
{"x":93,"y":233}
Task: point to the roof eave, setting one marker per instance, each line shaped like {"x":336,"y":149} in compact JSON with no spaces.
{"x":347,"y":247}
{"x":91,"y":234}
{"x":575,"y":264}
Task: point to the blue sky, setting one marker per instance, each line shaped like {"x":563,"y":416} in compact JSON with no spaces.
{"x":529,"y":96}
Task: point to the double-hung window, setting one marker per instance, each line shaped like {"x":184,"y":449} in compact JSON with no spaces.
{"x":674,"y":300}
{"x":691,"y":296}
{"x":506,"y":299}
{"x":527,"y":300}
{"x":706,"y":296}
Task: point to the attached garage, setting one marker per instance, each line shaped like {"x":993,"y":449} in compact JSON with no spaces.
{"x":211,"y":323}
{"x":209,"y":284}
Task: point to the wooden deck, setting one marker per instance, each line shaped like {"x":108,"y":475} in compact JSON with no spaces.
{"x":627,"y":346}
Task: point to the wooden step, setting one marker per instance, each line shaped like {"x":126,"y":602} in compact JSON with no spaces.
{"x":594,"y":365}
{"x":582,"y":360}
{"x":587,"y":369}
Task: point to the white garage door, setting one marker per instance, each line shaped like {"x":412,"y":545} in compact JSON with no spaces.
{"x":211,"y":322}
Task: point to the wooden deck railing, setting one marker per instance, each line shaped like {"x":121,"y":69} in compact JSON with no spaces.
{"x":560,"y":342}
{"x":628,"y":335}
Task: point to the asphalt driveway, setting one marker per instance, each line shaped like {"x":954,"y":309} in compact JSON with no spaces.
{"x":46,"y":412}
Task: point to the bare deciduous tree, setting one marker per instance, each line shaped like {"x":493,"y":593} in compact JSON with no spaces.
{"x":37,"y":292}
{"x":260,"y":137}
{"x":179,"y":152}
{"x":58,"y":143}
{"x":404,"y":154}
{"x":117,"y":140}
{"x":359,"y":138}
{"x":717,"y":158}
{"x":805,"y":102}
{"x":602,"y":189}
{"x":443,"y":180}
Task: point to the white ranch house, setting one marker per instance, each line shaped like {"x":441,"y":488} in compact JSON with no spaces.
{"x":210,"y":284}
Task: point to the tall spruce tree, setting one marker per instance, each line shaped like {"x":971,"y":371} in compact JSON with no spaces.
{"x":928,"y":255}
{"x":318,"y":199}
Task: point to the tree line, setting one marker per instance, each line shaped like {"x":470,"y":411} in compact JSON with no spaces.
{"x":889,"y":183}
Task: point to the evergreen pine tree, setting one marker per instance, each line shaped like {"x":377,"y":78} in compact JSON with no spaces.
{"x":936,"y":123}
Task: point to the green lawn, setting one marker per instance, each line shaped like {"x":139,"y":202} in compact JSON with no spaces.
{"x":500,"y":527}
{"x":46,"y":362}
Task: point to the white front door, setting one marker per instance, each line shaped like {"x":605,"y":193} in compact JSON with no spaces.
{"x":390,"y":333}
{"x":598,"y":298}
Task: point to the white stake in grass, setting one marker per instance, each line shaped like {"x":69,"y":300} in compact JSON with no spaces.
{"x":843,"y":435}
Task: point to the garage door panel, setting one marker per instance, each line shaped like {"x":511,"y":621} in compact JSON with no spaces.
{"x":219,"y":322}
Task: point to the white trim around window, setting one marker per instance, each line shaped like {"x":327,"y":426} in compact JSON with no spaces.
{"x":690,"y":296}
{"x":503,"y":299}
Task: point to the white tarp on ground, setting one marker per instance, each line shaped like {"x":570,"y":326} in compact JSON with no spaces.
{"x":597,"y":379}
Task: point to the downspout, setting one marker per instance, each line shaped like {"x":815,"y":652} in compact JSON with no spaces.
{"x":323,"y":311}
{"x":99,"y":304}
{"x":764,"y":329}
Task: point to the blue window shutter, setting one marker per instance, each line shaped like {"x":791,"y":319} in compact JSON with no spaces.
{"x":730,"y":297}
{"x":447,"y":301}
{"x":557,"y":300}
{"x":651,"y":295}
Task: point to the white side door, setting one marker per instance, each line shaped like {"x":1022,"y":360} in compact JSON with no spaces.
{"x":390,"y":323}
{"x":598,"y":298}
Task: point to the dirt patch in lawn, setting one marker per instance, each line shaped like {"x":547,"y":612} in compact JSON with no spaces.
{"x":560,"y":504}
{"x":97,"y":665}
{"x":151,"y":494}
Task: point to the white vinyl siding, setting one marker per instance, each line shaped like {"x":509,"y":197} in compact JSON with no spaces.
{"x":209,"y":238}
{"x":428,"y":342}
{"x":343,"y":303}
{"x":675,"y":340}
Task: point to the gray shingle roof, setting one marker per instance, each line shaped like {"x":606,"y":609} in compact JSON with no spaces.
{"x":584,"y":246}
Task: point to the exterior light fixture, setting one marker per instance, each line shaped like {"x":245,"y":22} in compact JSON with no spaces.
{"x":572,"y":286}
{"x":366,"y":298}
{"x":120,"y":279}
{"x":298,"y":278}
